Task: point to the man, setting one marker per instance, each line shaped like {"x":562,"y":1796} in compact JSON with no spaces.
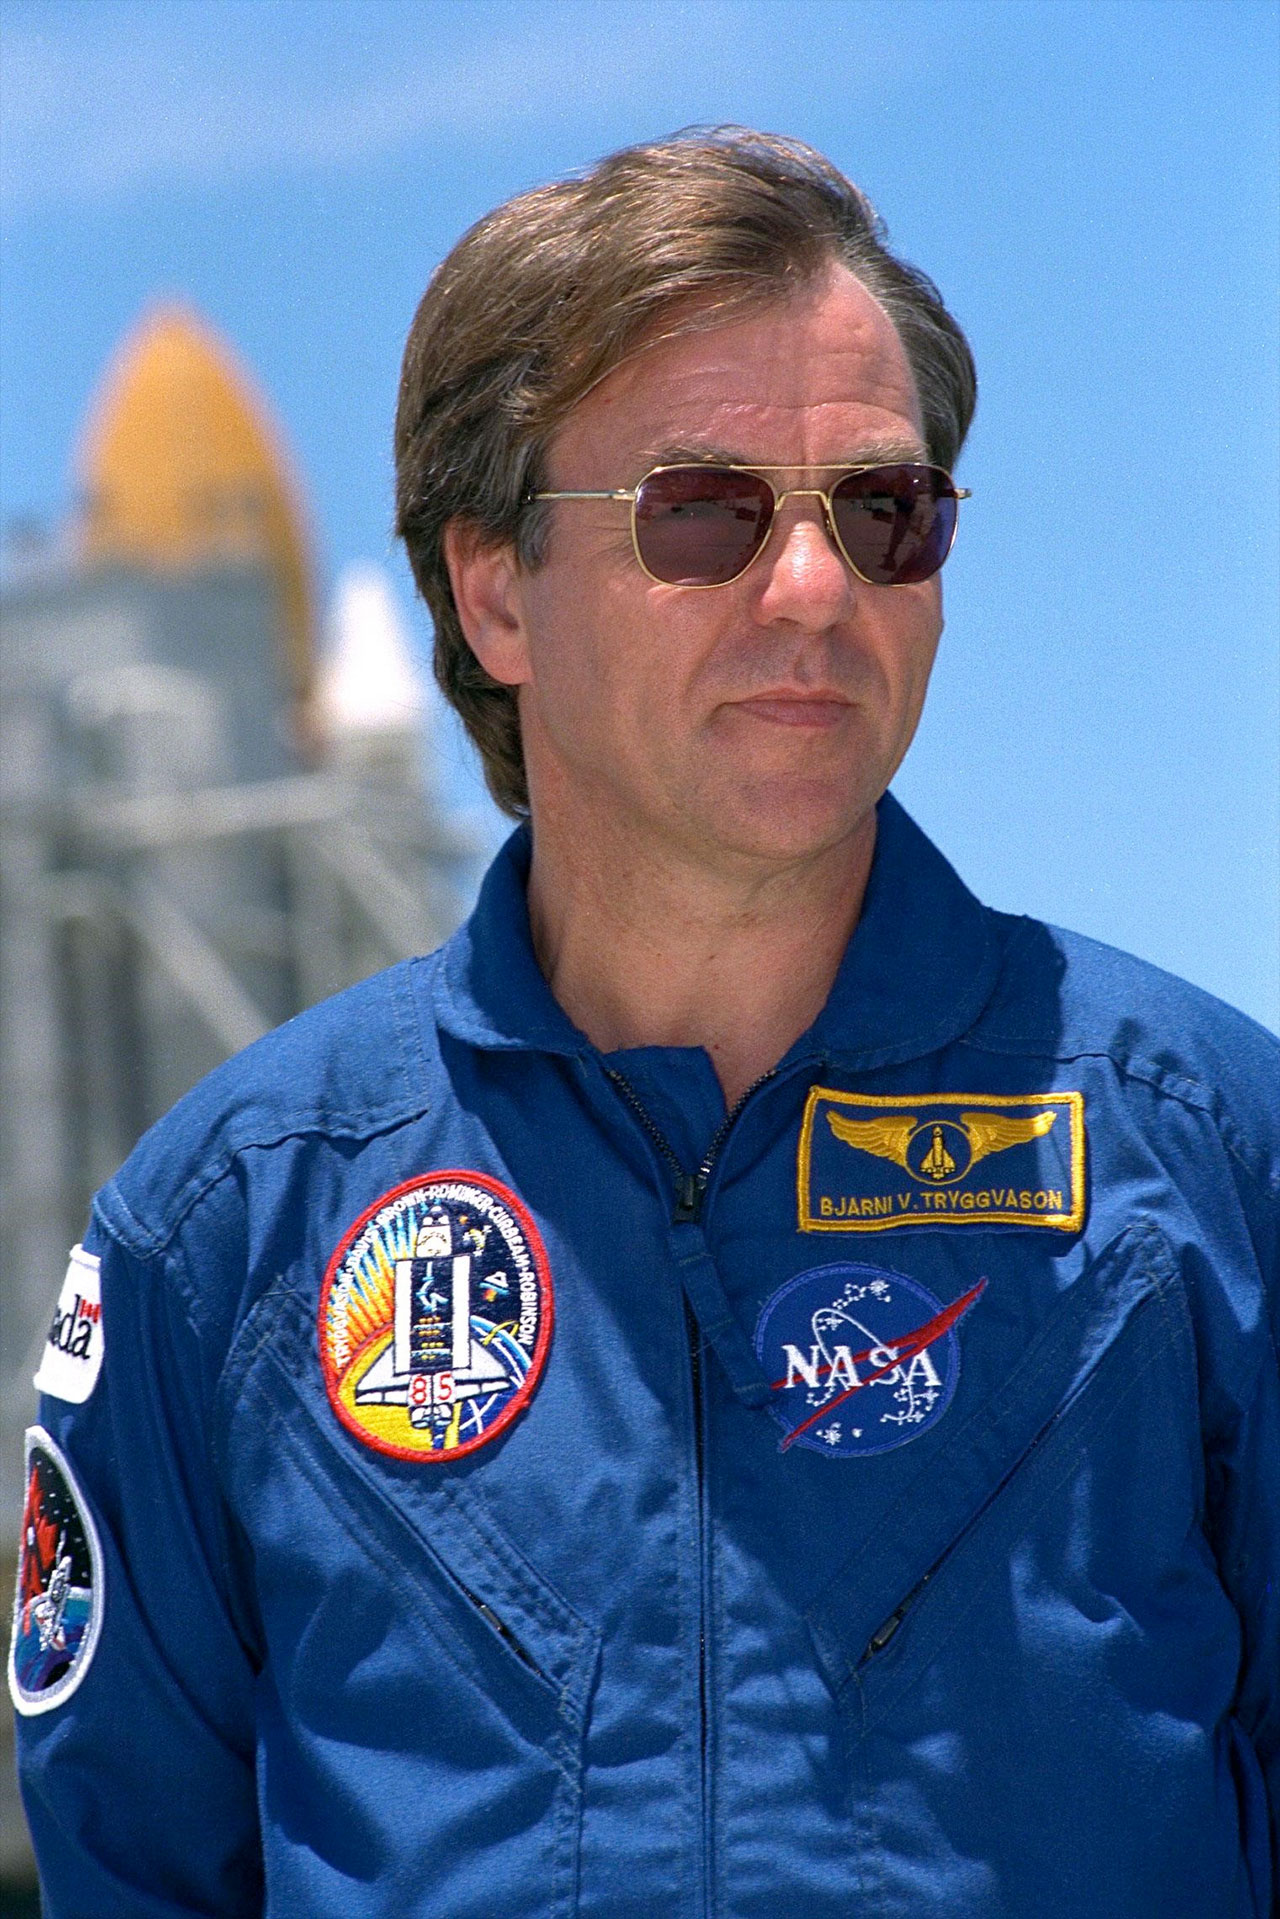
{"x":743,"y":1385}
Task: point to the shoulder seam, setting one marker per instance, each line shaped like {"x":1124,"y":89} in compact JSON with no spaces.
{"x":1269,"y":1191}
{"x":151,"y":1242}
{"x":1189,"y":1093}
{"x":157,"y":1255}
{"x":362,"y":1123}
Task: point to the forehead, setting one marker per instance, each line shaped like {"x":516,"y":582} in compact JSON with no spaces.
{"x":809,"y":380}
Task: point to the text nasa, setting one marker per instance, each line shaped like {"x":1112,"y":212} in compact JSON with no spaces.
{"x":840,"y":1370}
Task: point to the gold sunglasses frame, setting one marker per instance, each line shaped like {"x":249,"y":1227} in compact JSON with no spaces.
{"x":630,"y":495}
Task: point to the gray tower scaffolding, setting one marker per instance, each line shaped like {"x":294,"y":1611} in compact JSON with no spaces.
{"x":171,"y":886}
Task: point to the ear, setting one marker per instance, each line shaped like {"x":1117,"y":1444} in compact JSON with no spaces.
{"x":486,"y":591}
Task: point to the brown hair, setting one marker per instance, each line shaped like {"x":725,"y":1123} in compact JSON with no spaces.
{"x":547,"y":294}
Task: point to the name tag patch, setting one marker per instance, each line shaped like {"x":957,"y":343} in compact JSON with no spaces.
{"x":57,"y":1609}
{"x":868,"y":1164}
{"x":72,"y":1357}
{"x":435,"y":1317}
{"x":860,"y":1359}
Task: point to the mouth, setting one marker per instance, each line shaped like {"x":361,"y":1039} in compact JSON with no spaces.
{"x":788,"y":707}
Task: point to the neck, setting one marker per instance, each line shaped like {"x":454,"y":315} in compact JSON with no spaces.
{"x":646,"y":948}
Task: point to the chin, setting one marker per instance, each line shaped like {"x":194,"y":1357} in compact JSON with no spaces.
{"x":789,"y":820}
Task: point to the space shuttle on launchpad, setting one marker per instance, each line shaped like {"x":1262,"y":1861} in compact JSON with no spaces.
{"x":434,"y":1359}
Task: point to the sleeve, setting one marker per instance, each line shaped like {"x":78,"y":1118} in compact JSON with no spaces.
{"x":1243,"y":1485}
{"x":132,"y":1667}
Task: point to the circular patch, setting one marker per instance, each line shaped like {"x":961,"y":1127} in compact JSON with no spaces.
{"x":860,"y":1359}
{"x":435,"y":1317}
{"x":57,"y":1609}
{"x":939,"y":1152}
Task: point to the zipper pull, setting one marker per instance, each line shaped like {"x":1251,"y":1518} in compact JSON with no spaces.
{"x":689,"y":1188}
{"x":502,"y":1629}
{"x":883,"y":1634}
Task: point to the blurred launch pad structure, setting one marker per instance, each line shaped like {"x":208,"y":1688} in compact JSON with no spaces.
{"x":206,"y":821}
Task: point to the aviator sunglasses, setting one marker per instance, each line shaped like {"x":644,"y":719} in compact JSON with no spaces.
{"x":703,"y":525}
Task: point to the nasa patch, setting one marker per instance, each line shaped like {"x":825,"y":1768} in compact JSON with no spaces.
{"x":435,"y":1317}
{"x":72,"y":1357}
{"x":57,"y":1609}
{"x":860,"y":1359}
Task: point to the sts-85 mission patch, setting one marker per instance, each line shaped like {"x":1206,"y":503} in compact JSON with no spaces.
{"x":860,"y":1359}
{"x":435,"y":1317}
{"x":57,"y":1609}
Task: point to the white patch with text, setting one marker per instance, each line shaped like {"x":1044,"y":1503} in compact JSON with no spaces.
{"x":72,"y":1356}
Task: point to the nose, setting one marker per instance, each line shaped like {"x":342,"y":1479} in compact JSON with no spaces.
{"x":803,"y":576}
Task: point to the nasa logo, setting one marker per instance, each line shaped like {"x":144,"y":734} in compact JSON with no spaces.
{"x":435,"y":1317}
{"x":72,"y":1357}
{"x":57,"y":1609}
{"x":860,"y":1359}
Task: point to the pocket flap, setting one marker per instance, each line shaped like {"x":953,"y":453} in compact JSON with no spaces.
{"x":439,"y":1531}
{"x":1134,"y":1271}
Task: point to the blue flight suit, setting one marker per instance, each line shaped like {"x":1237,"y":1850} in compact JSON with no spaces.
{"x":990,"y":1632}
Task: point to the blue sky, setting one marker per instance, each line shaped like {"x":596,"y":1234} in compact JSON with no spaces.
{"x":1091,"y":182}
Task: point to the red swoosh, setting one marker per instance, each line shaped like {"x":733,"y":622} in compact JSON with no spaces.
{"x":910,"y":1346}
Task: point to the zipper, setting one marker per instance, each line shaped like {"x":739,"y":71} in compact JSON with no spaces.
{"x":690,"y":1191}
{"x":502,"y":1629}
{"x":888,"y":1628}
{"x":346,"y":1494}
{"x":693,"y":1333}
{"x":690,"y":1187}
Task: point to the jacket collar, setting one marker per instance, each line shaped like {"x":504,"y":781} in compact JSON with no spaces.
{"x":489,"y":988}
{"x":921,"y":965}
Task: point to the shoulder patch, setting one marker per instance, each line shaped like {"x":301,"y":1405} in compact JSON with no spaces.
{"x":868,"y":1163}
{"x":435,"y":1317}
{"x":72,"y":1357}
{"x":57,"y":1609}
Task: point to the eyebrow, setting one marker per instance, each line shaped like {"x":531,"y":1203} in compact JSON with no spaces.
{"x":885,"y":451}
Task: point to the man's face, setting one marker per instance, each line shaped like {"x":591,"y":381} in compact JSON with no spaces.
{"x":754,"y":722}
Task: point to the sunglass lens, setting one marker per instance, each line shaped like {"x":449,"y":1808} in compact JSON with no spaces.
{"x":701,"y":526}
{"x":896,"y":523}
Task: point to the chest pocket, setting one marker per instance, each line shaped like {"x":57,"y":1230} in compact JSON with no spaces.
{"x":1110,"y":1379}
{"x":427,"y":1684}
{"x":1051,"y":1694}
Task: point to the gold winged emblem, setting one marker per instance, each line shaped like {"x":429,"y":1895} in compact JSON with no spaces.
{"x":886,"y":1138}
{"x":989,"y":1133}
{"x":985,"y":1132}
